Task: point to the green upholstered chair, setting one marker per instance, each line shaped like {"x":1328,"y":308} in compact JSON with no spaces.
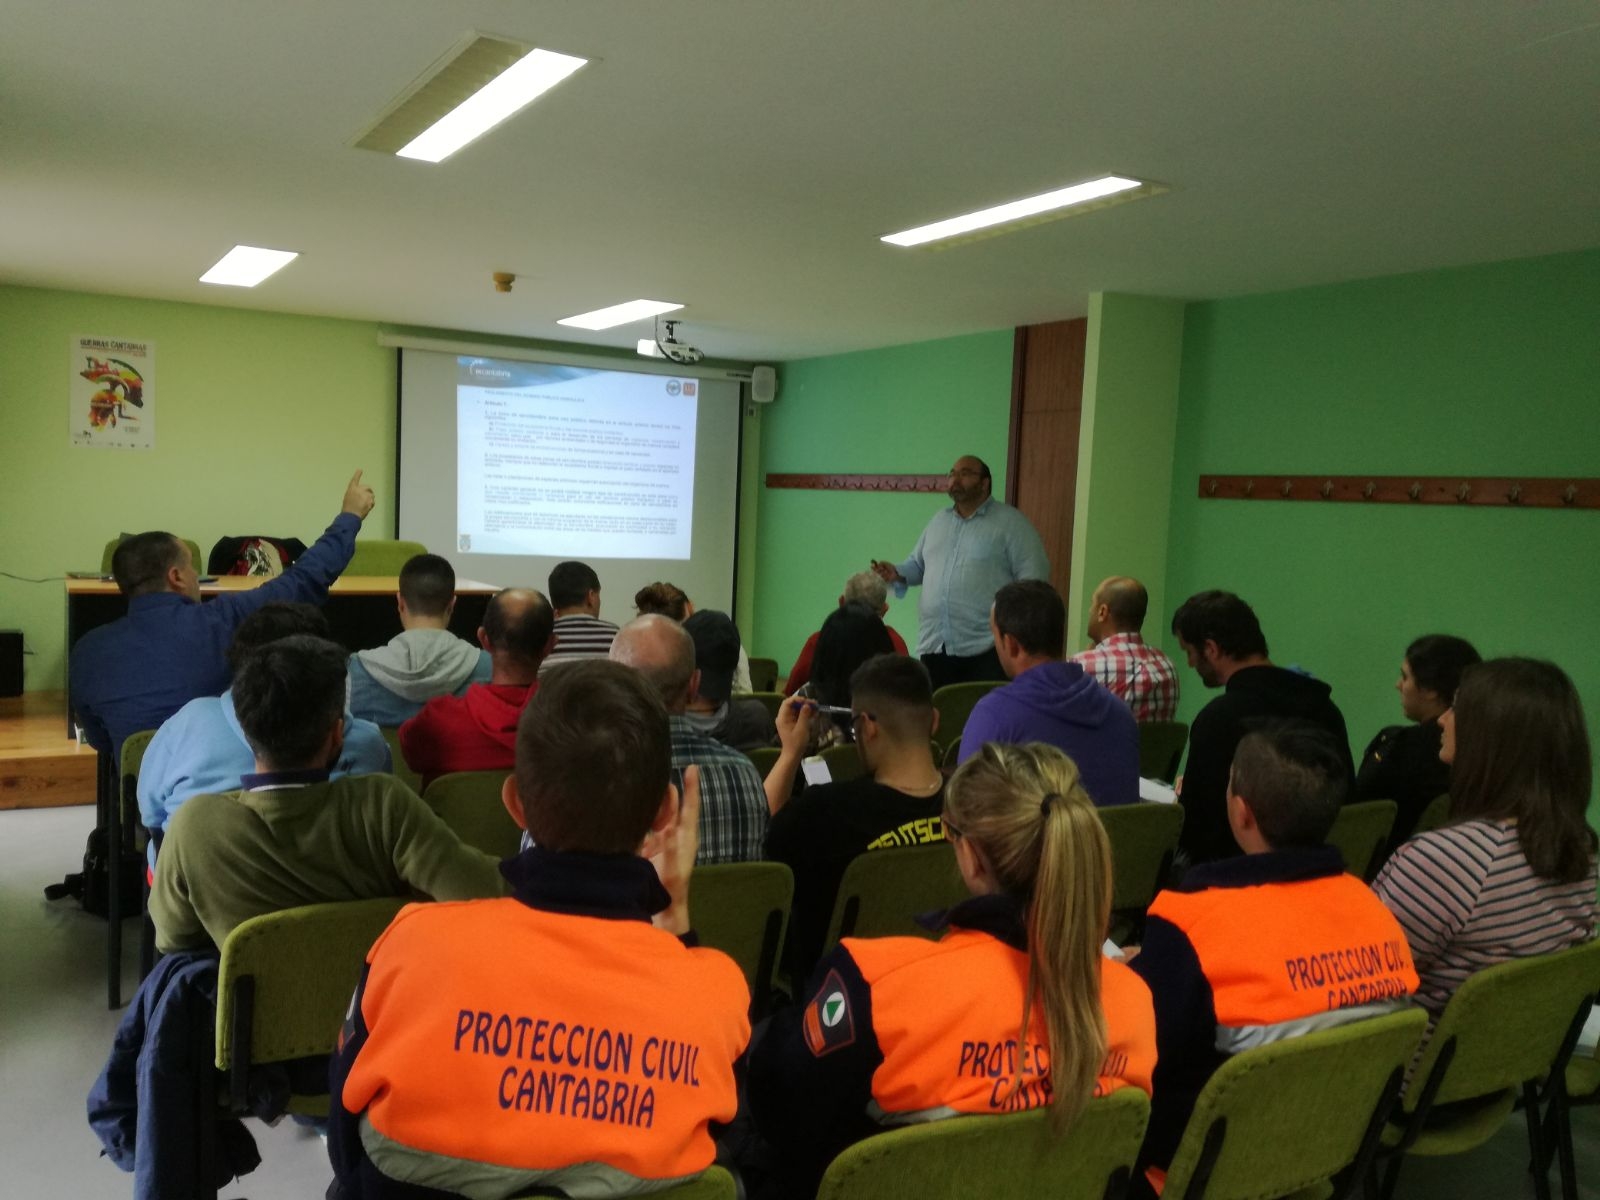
{"x":123,"y":834}
{"x":1285,"y":1119}
{"x":398,"y":768}
{"x":883,"y":891}
{"x":1009,"y":1155}
{"x":1361,"y":831}
{"x":1161,"y":746}
{"x":844,"y":762}
{"x":765,"y":758}
{"x":1435,"y":815}
{"x":111,"y":549}
{"x":764,"y":674}
{"x":1143,"y":837}
{"x":742,"y":909}
{"x":469,"y":802}
{"x":1506,"y":1030}
{"x":382,"y":556}
{"x":771,"y":699}
{"x":954,"y":703}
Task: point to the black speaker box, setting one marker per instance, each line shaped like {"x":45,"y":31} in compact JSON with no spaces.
{"x":10,"y":662}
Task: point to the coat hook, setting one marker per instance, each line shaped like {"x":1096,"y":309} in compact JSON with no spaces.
{"x":1463,"y":492}
{"x":1514,"y":496}
{"x":1249,"y":487}
{"x":1286,"y":486}
{"x":1327,"y":489}
{"x":1368,"y":491}
{"x":1211,"y":488}
{"x":1570,"y":496}
{"x":1415,"y":491}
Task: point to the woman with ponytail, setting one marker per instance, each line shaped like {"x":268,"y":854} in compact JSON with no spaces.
{"x":1013,"y":1008}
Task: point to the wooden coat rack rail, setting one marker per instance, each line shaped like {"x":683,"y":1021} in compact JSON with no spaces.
{"x":862,"y":483}
{"x":1471,"y":490}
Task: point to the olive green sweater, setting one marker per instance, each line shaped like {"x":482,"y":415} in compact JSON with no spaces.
{"x":231,"y":857}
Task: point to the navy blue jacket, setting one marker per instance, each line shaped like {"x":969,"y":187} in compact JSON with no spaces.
{"x":140,"y":669}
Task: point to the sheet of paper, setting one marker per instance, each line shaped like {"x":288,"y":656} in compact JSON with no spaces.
{"x":816,"y":771}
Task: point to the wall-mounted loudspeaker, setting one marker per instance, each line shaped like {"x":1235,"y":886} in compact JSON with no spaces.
{"x":763,"y":385}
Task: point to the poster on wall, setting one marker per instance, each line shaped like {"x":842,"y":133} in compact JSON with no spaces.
{"x":111,"y":398}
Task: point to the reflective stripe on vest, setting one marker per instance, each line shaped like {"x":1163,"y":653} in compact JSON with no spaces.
{"x":946,"y":1016}
{"x":502,"y":1034}
{"x":1287,"y":958}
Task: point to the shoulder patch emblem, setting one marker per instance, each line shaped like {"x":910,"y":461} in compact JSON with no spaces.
{"x":828,"y":1023}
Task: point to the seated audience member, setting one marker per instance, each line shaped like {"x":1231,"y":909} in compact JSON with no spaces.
{"x":1219,"y":951}
{"x":292,"y":836}
{"x":714,"y":710}
{"x":1223,"y":641}
{"x":446,"y":1082}
{"x":850,"y":636}
{"x":477,"y":731}
{"x":579,"y":631}
{"x":670,"y":600}
{"x":864,"y":588}
{"x":733,"y":806}
{"x":896,"y":803}
{"x":202,"y":749}
{"x":134,"y":673}
{"x":892,"y":1031}
{"x":1513,"y":874}
{"x":1053,"y":701}
{"x":1402,"y":763}
{"x":390,"y":684}
{"x":1121,"y":660}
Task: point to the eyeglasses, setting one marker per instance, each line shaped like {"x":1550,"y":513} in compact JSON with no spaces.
{"x":857,"y":714}
{"x":951,"y":833}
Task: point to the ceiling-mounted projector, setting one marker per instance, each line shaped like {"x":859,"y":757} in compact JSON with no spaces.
{"x":669,"y":347}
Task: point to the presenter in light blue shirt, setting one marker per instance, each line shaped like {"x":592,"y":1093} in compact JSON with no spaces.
{"x":967,"y":553}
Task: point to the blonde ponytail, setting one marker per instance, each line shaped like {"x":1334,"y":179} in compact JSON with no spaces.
{"x":1028,"y":815}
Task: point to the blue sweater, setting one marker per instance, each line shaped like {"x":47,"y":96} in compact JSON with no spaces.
{"x":140,"y":669}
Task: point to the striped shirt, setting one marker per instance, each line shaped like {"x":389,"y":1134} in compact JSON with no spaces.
{"x":1139,"y":673}
{"x":579,"y":636}
{"x":1468,"y":899}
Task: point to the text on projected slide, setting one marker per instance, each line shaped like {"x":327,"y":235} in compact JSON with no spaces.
{"x":566,"y":461}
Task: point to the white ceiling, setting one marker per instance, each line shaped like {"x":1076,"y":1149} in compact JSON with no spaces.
{"x":744,"y":156}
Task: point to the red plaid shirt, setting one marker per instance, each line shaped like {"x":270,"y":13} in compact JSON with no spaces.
{"x":1143,"y":676}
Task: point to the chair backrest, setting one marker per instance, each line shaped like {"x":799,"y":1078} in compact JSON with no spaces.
{"x":1012,"y":1154}
{"x":765,"y":758}
{"x":883,"y":891}
{"x":771,"y":699}
{"x":469,"y":802}
{"x":286,"y":979}
{"x":954,"y":703}
{"x":399,"y":769}
{"x":1505,"y":1025}
{"x":1161,"y":746}
{"x":131,"y":758}
{"x":382,"y":556}
{"x":714,"y":1183}
{"x":1291,"y":1114}
{"x":1143,"y":839}
{"x":1360,"y":831}
{"x":742,"y":909}
{"x":1435,"y":815}
{"x":844,"y":762}
{"x":111,"y":549}
{"x":764,"y":674}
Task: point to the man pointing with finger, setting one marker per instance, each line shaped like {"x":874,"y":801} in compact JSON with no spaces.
{"x":170,"y":649}
{"x":967,"y":553}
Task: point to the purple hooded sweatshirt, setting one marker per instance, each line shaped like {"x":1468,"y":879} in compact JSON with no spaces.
{"x":1056,"y":703}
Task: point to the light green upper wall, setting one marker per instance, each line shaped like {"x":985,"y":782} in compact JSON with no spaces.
{"x":1484,"y":370}
{"x":906,"y":409}
{"x":261,"y":418}
{"x":1130,"y":411}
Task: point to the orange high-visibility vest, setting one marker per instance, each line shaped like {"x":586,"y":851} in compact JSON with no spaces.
{"x":505,"y":1034}
{"x":947,"y":1016}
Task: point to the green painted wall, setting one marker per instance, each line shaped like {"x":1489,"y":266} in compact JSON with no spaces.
{"x":1130,"y":409}
{"x":1487,"y":370}
{"x":261,"y":420}
{"x":913,"y":408}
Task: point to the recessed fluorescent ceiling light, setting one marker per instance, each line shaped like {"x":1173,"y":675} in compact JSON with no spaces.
{"x":246,"y":266}
{"x":1077,"y":195}
{"x":523,"y":82}
{"x":620,"y":314}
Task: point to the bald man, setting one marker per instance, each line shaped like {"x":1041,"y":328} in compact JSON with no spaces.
{"x":1143,"y":676}
{"x":967,"y":553}
{"x":477,"y":731}
{"x":733,"y":802}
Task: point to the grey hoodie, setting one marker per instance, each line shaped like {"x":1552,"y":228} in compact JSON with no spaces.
{"x":412,"y":668}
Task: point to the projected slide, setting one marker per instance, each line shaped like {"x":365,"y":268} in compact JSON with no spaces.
{"x":571,"y":462}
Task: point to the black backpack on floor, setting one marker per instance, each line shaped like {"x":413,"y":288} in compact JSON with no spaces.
{"x":92,"y":887}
